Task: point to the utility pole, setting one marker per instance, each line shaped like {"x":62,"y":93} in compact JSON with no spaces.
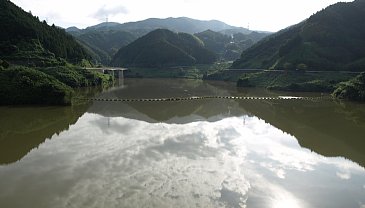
{"x":106,"y":21}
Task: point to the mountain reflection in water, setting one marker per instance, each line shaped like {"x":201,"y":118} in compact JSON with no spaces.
{"x":327,"y":127}
{"x":24,"y":128}
{"x":207,"y":153}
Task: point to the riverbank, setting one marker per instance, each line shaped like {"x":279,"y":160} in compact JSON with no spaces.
{"x":20,"y":85}
{"x":342,"y":85}
{"x":294,"y":80}
{"x":336,"y":82}
{"x":353,"y":89}
{"x":55,"y":85}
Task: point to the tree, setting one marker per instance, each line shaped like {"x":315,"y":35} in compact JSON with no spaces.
{"x":302,"y":67}
{"x":4,"y":64}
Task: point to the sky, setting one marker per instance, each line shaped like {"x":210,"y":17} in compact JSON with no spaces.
{"x":263,"y":15}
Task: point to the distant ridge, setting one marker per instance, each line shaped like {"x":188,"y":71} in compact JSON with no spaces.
{"x":179,"y":24}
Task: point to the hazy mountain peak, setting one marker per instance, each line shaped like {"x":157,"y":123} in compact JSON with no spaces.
{"x":177,"y":24}
{"x":72,"y":29}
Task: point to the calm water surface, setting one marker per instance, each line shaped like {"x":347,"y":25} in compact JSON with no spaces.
{"x":203,"y":153}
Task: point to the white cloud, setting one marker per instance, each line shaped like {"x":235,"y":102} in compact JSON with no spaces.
{"x":120,"y":162}
{"x":105,"y":12}
{"x":344,"y":176}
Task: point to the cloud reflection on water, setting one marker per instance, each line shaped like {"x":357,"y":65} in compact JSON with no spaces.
{"x":119,"y":162}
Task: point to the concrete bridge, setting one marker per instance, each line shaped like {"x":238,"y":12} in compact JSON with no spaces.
{"x":115,"y":71}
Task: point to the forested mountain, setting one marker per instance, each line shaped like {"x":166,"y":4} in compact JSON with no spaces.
{"x":164,"y":48}
{"x":35,"y":61}
{"x":26,"y":40}
{"x":104,"y":44}
{"x":229,"y":47}
{"x":331,"y":39}
{"x":111,"y":35}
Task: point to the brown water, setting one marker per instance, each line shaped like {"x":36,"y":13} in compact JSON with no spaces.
{"x":202,"y":153}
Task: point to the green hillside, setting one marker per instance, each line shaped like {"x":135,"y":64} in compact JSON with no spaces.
{"x":38,"y":62}
{"x":229,"y":47}
{"x":26,"y":40}
{"x":163,"y":48}
{"x":331,"y":39}
{"x":104,"y":44}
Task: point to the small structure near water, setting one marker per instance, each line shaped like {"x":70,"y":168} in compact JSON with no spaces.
{"x":117,"y":72}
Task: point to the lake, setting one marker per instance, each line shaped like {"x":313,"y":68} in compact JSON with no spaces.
{"x":199,"y":153}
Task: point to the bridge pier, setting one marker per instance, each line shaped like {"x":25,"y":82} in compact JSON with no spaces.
{"x":115,"y":73}
{"x":111,"y":71}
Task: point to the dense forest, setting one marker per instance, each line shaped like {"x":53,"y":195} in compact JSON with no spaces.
{"x":40,"y":64}
{"x":331,"y":39}
{"x":164,"y":48}
{"x":353,"y":89}
{"x":24,"y":39}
